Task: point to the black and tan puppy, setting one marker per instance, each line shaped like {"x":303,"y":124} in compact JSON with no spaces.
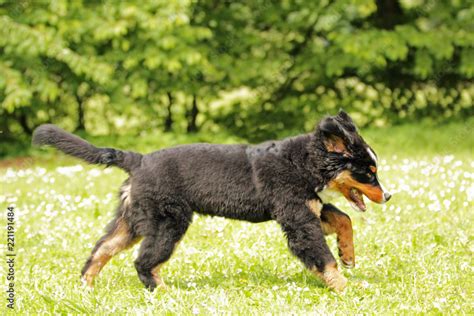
{"x":289,"y":181}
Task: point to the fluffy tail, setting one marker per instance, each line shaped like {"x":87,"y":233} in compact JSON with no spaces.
{"x":73,"y":145}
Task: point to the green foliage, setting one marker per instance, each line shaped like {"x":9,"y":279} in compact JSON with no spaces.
{"x":271,"y":66}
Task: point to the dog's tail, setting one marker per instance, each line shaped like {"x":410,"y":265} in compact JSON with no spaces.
{"x":73,"y":145}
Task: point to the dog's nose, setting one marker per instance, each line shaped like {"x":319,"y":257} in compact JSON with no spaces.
{"x":387,"y":196}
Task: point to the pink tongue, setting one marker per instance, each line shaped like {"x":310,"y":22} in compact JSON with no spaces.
{"x":361,"y":204}
{"x":359,"y":200}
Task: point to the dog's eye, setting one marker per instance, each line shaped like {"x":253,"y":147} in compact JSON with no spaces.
{"x":370,"y":175}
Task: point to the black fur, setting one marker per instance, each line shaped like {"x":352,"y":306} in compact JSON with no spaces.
{"x":256,"y":183}
{"x":49,"y":134}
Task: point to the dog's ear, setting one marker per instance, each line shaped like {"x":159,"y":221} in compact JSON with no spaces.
{"x":334,"y":136}
{"x":346,"y":121}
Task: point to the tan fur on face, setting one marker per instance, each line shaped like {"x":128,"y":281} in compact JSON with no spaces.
{"x":344,"y":182}
{"x":315,"y":206}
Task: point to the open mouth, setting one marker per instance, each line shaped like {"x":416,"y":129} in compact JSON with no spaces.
{"x":357,"y":200}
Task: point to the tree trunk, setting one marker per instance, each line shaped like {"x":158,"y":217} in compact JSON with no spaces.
{"x":22,"y":119}
{"x":169,"y":116}
{"x":389,"y":13}
{"x":192,"y":116}
{"x":5,"y":132}
{"x":80,"y":115}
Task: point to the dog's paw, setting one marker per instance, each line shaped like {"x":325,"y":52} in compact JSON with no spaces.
{"x":336,"y":281}
{"x":333,"y":279}
{"x":87,"y":283}
{"x":347,"y":263}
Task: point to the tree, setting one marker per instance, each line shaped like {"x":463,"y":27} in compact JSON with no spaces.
{"x":129,"y":66}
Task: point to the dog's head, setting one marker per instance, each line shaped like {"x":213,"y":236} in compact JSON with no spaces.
{"x":352,"y":162}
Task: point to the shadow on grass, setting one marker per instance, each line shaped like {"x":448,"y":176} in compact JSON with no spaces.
{"x":244,"y":282}
{"x":263,"y":279}
{"x":260,"y":278}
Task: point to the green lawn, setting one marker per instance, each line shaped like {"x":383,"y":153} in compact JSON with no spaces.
{"x":414,"y":254}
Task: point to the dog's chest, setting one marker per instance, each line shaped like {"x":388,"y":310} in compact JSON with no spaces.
{"x":327,"y":195}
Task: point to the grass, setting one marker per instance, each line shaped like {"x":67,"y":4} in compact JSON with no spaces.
{"x":414,"y":254}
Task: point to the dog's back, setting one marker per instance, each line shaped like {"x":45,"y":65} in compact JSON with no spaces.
{"x":211,"y":179}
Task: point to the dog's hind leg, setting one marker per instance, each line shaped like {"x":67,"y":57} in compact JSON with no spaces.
{"x":158,"y":245}
{"x":117,"y":238}
{"x":335,"y":221}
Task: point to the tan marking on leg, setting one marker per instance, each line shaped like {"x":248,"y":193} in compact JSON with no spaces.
{"x":94,"y":269}
{"x":125,"y":194}
{"x":339,"y":223}
{"x":156,"y":271}
{"x":331,"y":277}
{"x":327,"y":228}
{"x":156,"y":276}
{"x":119,"y":240}
{"x":315,"y":206}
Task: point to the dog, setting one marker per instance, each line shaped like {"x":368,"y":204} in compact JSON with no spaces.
{"x":290,"y":181}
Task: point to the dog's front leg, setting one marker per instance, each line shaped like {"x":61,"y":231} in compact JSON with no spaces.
{"x":302,"y":226}
{"x":335,"y":221}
